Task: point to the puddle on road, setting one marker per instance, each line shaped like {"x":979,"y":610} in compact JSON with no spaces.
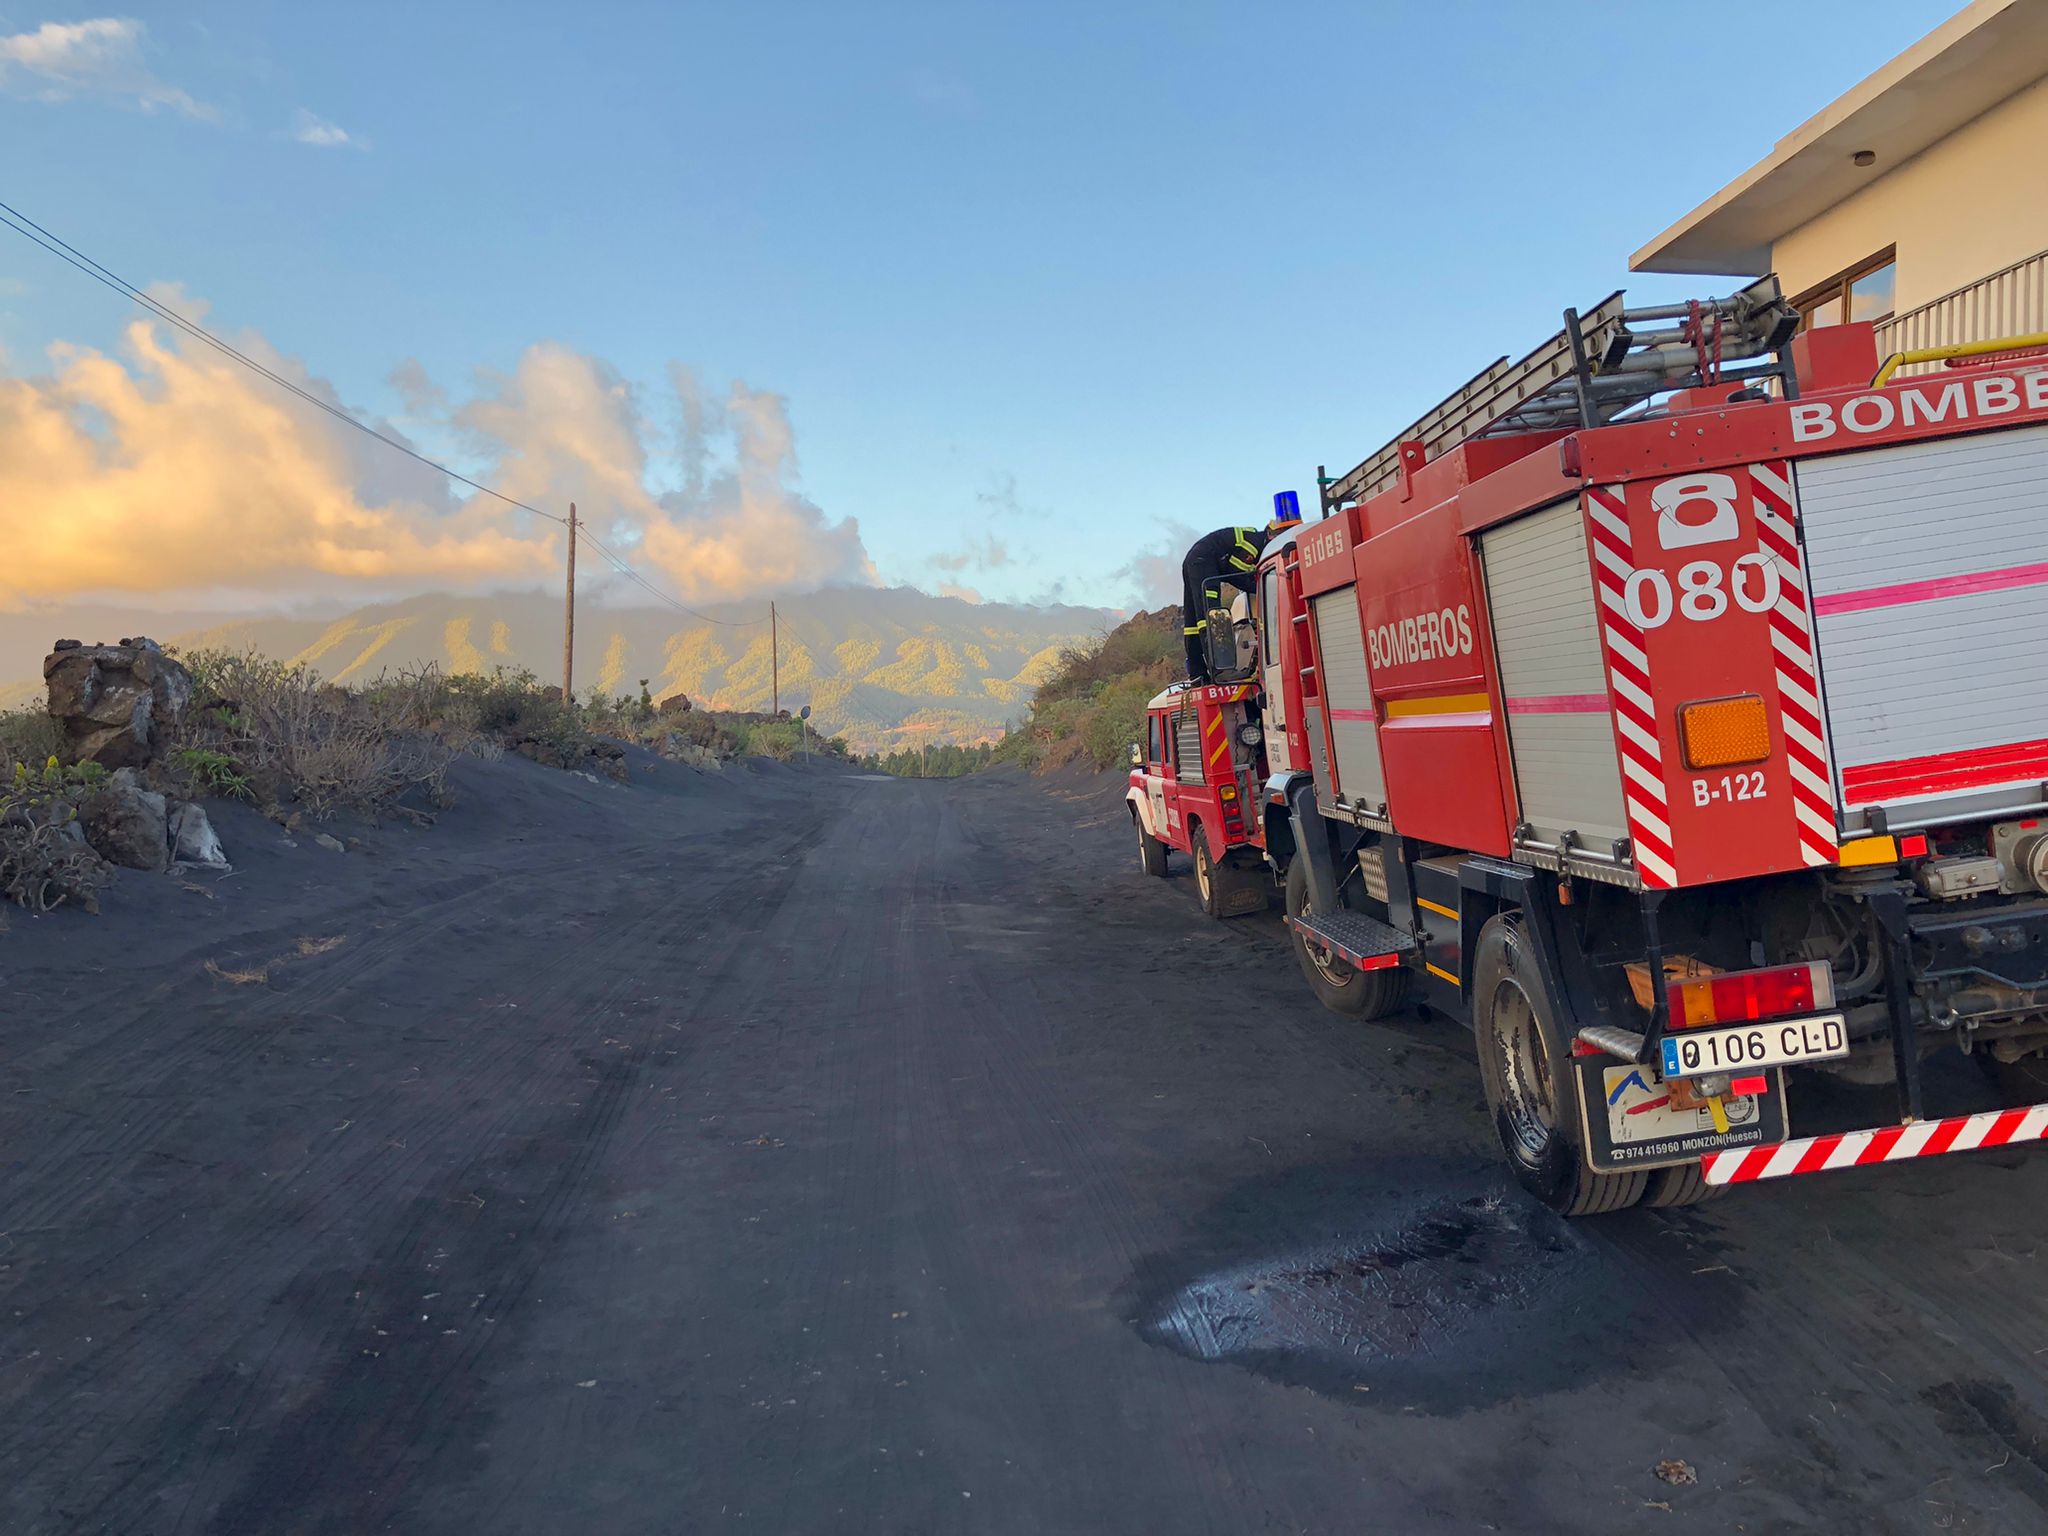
{"x":1448,"y":1303}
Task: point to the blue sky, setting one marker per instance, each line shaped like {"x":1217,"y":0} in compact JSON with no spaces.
{"x":1039,"y":286}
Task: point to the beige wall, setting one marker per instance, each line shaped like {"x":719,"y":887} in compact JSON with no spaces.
{"x":1957,"y":211}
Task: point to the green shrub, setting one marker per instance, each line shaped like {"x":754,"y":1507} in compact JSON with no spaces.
{"x":29,"y":735}
{"x":50,"y":785}
{"x":1115,"y":719}
{"x":210,"y":772}
{"x":1092,"y":707}
{"x":779,"y":739}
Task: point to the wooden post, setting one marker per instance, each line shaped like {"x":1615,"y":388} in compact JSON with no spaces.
{"x":569,"y":616}
{"x":774,"y":664}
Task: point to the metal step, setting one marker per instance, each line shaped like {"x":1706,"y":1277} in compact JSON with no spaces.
{"x":1624,"y":1043}
{"x":1366,"y":942}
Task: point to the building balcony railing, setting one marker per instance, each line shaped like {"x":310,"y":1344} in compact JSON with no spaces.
{"x":2012,"y":302}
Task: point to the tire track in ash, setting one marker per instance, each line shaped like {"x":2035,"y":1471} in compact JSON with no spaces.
{"x":431,"y":1431}
{"x":281,"y":1478}
{"x":404,"y":1436}
{"x":586,"y":1139}
{"x":200,"y":1280}
{"x":84,"y":1157}
{"x":1024,"y":1002}
{"x":508,"y":1074}
{"x":776,"y":1082}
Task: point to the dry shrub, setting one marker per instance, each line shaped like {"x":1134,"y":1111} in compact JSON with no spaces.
{"x":255,"y":976}
{"x":43,"y":864}
{"x":44,"y":859}
{"x":332,"y":748}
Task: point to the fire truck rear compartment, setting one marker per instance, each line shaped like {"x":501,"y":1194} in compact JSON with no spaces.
{"x":1929,"y":569}
{"x":1554,"y":684}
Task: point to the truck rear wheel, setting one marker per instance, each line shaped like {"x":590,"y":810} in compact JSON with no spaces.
{"x":1531,"y":1090}
{"x":1151,"y":851}
{"x":1205,"y":870}
{"x":1682,"y":1185}
{"x":1339,"y":985}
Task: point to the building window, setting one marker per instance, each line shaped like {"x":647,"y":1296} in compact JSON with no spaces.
{"x":1862,"y":292}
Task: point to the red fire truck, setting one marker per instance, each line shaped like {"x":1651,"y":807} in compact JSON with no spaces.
{"x":1668,"y":704}
{"x":1195,"y":786}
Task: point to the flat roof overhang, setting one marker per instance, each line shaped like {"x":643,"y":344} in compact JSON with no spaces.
{"x":1979,"y":57}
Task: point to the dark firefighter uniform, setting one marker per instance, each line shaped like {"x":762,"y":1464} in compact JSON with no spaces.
{"x":1213,"y":560}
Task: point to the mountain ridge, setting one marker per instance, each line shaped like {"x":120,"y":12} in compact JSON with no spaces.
{"x":885,"y":667}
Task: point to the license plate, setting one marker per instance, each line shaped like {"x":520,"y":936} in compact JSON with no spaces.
{"x":1750,"y":1047}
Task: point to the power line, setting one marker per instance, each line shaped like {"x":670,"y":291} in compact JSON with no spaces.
{"x":64,"y":251}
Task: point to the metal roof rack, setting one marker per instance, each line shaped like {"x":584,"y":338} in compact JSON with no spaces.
{"x":1591,"y":372}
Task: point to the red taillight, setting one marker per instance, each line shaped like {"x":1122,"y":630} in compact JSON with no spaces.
{"x":1738,"y":997}
{"x":1915,"y":847}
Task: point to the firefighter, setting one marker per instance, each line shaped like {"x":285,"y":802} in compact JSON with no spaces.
{"x":1226,"y":557}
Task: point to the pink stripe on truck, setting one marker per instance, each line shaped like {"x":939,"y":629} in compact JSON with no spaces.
{"x":1559,"y":704}
{"x":1966,"y":585}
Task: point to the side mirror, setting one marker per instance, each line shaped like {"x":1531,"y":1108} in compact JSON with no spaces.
{"x":1137,"y":755}
{"x":1231,"y":647}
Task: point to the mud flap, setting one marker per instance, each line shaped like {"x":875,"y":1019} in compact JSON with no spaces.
{"x":1627,"y":1121}
{"x":1241,"y":888}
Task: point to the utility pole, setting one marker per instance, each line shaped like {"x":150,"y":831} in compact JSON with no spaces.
{"x":569,"y":615}
{"x":774,"y":664}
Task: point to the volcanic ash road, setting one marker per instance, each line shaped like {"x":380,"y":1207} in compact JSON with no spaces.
{"x":799,"y":1152}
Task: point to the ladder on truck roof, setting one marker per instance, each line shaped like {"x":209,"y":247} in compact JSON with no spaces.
{"x":1592,"y":371}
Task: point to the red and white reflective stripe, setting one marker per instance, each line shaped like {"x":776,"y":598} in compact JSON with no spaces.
{"x":1806,"y":751}
{"x":1628,"y":681}
{"x":1854,"y":1149}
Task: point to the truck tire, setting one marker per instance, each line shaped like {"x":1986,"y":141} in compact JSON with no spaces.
{"x":1205,"y":870}
{"x":1338,"y":985}
{"x":1683,"y":1185}
{"x":1531,"y":1090}
{"x":2019,"y":1083}
{"x":1151,"y":851}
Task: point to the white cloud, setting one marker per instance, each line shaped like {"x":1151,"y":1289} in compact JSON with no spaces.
{"x":100,"y":58}
{"x":321,"y":134}
{"x":1152,"y":575}
{"x":988,"y":553}
{"x":170,"y":470}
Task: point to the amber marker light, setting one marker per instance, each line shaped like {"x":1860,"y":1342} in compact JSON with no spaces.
{"x":1721,"y":733}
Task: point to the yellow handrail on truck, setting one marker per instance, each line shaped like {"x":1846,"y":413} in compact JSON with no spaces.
{"x":1899,"y":360}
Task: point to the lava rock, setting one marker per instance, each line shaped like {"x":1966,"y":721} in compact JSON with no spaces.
{"x":115,"y":702}
{"x":126,"y":824}
{"x":193,"y":840}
